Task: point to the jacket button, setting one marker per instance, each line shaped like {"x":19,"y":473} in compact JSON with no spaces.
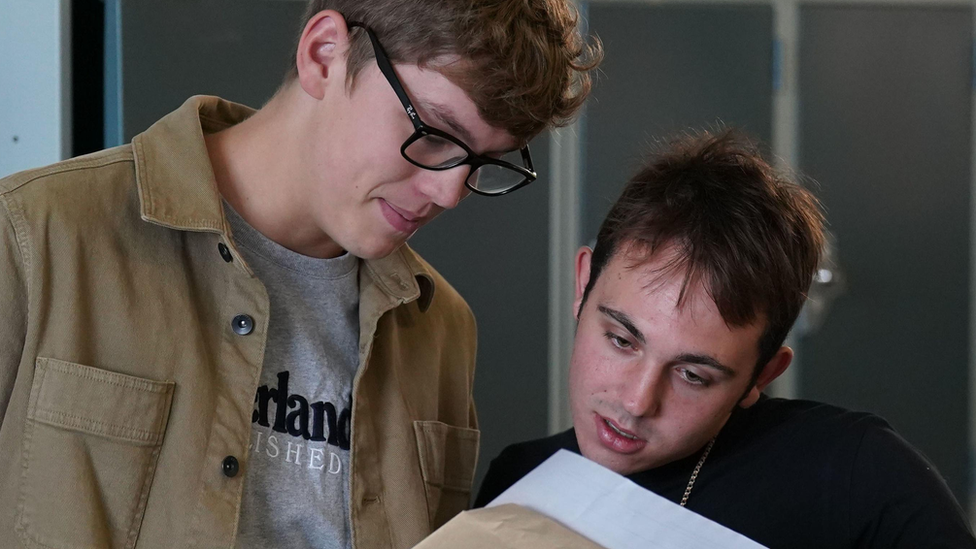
{"x":224,"y":252}
{"x":243,"y":324}
{"x":230,"y":466}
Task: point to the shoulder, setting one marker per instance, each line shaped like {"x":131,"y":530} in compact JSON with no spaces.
{"x":899,"y":498}
{"x":80,"y":168}
{"x":518,"y":460}
{"x":866,"y":435}
{"x":811,"y":418}
{"x":807,"y":409}
{"x":893,"y":495}
{"x":807,"y":443}
{"x":83,"y":184}
{"x":818,"y":439}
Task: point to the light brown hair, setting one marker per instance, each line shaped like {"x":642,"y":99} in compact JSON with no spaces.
{"x":749,"y":234}
{"x":524,"y":63}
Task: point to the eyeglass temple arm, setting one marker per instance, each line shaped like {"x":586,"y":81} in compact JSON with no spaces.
{"x":527,"y":159}
{"x":383,"y":61}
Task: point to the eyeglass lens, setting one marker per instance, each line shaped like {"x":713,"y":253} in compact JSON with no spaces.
{"x":492,"y":178}
{"x":435,"y":152}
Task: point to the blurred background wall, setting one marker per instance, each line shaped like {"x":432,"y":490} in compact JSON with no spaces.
{"x":35,"y":83}
{"x":871,"y":100}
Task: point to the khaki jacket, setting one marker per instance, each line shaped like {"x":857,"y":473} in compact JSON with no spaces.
{"x":124,"y":384}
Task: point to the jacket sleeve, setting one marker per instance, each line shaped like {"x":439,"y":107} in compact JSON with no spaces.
{"x":13,"y":304}
{"x":899,"y":500}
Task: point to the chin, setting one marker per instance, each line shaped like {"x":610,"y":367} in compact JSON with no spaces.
{"x":371,"y":254}
{"x":374,"y":250}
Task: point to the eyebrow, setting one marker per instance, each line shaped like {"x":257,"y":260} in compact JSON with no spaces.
{"x":624,"y":321}
{"x":445,"y":115}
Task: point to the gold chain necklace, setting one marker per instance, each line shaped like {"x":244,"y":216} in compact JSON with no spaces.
{"x":694,"y":474}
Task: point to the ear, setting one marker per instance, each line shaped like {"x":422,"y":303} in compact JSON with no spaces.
{"x":583,"y":258}
{"x":322,"y":50}
{"x":772,"y":370}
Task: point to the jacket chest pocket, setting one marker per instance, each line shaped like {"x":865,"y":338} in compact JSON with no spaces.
{"x":448,"y":456}
{"x":90,"y":448}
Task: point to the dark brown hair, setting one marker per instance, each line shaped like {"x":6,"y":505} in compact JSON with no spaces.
{"x":749,"y":234}
{"x":522,"y":62}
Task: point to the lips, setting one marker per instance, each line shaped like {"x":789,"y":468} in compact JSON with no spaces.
{"x":401,"y":220}
{"x":615,"y":438}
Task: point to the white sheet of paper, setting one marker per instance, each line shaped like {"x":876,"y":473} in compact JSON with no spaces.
{"x":614,"y":511}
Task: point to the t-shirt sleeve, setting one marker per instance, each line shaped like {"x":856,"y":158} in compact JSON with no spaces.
{"x":899,"y":500}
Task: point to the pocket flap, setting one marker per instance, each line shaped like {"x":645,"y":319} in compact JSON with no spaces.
{"x":99,"y":402}
{"x":448,"y":454}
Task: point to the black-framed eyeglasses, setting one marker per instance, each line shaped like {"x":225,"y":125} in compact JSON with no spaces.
{"x":434,"y":149}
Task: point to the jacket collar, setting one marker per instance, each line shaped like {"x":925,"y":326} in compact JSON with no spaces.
{"x":177,"y":189}
{"x":403,"y":276}
{"x":176,"y":183}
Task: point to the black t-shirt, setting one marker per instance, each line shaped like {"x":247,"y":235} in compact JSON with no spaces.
{"x":794,"y":474}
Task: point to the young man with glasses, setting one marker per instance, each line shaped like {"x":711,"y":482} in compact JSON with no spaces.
{"x":215,"y":336}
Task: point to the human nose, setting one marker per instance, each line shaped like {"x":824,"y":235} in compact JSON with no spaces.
{"x":643,"y":392}
{"x":445,"y":188}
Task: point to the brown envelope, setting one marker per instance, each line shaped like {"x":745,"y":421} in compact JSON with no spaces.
{"x":505,"y":527}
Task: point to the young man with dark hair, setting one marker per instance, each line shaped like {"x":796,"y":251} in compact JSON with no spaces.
{"x":698,"y":273}
{"x":216,"y":337}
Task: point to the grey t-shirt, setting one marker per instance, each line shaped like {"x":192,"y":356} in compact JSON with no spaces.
{"x":296,"y":484}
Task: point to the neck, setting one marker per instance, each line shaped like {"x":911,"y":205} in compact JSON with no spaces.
{"x":260,"y":170}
